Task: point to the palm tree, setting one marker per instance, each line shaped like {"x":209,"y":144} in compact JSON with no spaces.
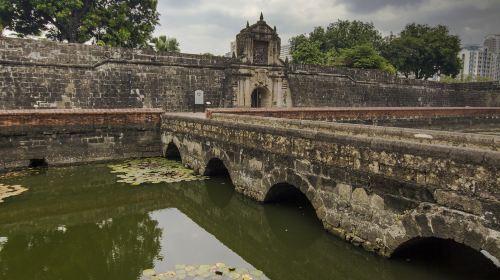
{"x":165,"y":44}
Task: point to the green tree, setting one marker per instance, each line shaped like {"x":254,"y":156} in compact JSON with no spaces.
{"x":366,"y":57}
{"x":323,"y":46}
{"x":6,"y":15}
{"x":308,"y":52}
{"x":127,"y":23}
{"x":343,"y":34}
{"x":424,"y":51}
{"x":20,"y":16}
{"x":165,"y":44}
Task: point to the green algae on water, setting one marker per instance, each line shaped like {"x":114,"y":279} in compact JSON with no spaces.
{"x":154,"y":171}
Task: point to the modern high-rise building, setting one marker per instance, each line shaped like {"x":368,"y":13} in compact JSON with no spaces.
{"x":482,"y":61}
{"x":285,"y":53}
{"x":233,"y":50}
{"x":492,"y":43}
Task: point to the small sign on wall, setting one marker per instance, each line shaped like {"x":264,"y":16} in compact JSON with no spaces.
{"x":198,"y":97}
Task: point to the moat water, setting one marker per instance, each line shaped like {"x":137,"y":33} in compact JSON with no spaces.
{"x":79,"y":223}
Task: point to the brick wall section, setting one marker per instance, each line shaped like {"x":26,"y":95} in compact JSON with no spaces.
{"x":91,"y":117}
{"x":77,"y":136}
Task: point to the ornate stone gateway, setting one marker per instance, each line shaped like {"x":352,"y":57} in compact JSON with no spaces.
{"x":261,"y":80}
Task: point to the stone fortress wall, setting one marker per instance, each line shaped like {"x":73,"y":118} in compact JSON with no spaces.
{"x":42,"y":74}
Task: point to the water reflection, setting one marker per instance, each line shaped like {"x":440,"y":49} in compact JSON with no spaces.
{"x":111,"y":249}
{"x":114,"y":231}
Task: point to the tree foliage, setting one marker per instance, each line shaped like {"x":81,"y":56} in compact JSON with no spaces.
{"x":366,"y":57}
{"x":345,"y":43}
{"x":165,"y":44}
{"x":125,"y":23}
{"x":343,"y":34}
{"x":19,"y":15}
{"x":6,"y":14}
{"x":308,"y":52}
{"x":424,"y":51}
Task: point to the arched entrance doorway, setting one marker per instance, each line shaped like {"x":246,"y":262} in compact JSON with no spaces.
{"x":260,"y":98}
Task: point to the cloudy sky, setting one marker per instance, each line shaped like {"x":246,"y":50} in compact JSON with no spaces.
{"x":210,"y":25}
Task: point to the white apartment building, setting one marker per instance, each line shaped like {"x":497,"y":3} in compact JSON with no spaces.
{"x":285,"y":53}
{"x":233,"y":50}
{"x":482,"y":61}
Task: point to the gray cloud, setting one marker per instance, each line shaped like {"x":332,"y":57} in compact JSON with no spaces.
{"x":363,"y":6}
{"x":210,"y":25}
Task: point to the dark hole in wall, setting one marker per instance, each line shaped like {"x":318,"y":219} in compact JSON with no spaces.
{"x":456,"y":260}
{"x":216,"y":168}
{"x":173,"y":152}
{"x":38,"y":163}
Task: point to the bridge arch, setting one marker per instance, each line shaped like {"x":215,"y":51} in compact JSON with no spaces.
{"x":439,"y":226}
{"x":215,"y":167}
{"x":448,"y":252}
{"x":286,"y":184}
{"x":172,"y":152}
{"x":216,"y":163}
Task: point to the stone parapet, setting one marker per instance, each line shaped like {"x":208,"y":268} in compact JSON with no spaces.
{"x":487,"y":142}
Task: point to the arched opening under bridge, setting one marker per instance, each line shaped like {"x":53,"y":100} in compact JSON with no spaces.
{"x":216,"y":168}
{"x":172,"y":152}
{"x":447,"y":256}
{"x":292,"y":216}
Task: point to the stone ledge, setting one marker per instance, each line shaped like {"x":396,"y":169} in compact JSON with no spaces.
{"x":396,"y":133}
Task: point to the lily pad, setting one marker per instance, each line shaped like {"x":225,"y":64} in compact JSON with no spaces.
{"x":154,"y":171}
{"x":215,"y":271}
{"x":8,"y":191}
{"x":148,"y":272}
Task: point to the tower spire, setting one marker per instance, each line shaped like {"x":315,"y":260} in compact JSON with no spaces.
{"x":261,"y":16}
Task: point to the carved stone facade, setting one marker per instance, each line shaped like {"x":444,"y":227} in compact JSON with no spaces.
{"x":261,"y":80}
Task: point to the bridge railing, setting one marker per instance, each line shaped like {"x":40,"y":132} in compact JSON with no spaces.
{"x":435,"y":137}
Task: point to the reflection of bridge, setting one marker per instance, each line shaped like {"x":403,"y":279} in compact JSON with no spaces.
{"x":375,"y":187}
{"x":229,"y":217}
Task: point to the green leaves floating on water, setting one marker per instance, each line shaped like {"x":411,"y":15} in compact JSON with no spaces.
{"x":154,"y":171}
{"x":8,"y":191}
{"x":217,"y":271}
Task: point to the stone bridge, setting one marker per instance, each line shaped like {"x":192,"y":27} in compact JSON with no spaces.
{"x":381,"y":188}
